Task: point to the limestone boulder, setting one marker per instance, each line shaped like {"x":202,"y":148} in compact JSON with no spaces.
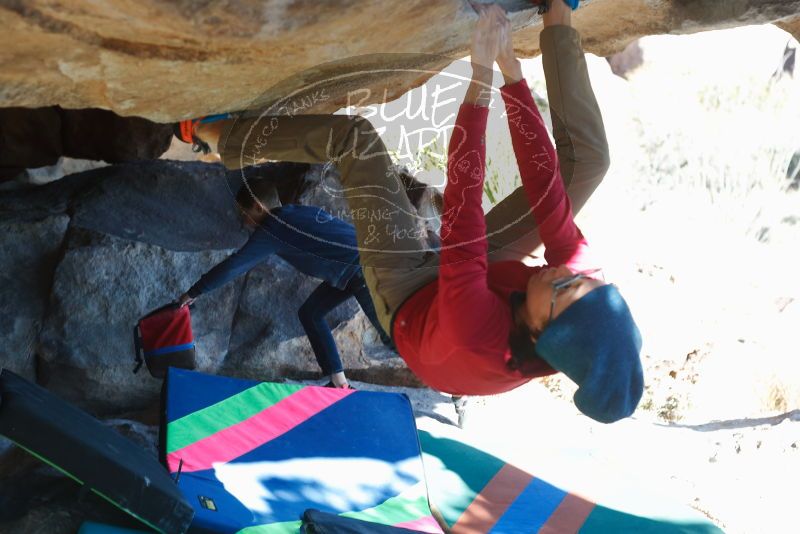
{"x":167,"y":60}
{"x":608,"y":26}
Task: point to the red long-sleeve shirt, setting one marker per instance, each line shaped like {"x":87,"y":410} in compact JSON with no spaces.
{"x":453,"y":333}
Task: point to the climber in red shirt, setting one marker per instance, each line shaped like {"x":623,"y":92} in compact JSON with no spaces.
{"x":484,"y":328}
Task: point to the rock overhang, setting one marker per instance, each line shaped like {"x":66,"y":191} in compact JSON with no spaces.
{"x":172,"y":60}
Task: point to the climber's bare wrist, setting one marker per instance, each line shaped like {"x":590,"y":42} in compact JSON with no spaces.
{"x":482,"y":74}
{"x":512,"y":71}
{"x":480,"y":88}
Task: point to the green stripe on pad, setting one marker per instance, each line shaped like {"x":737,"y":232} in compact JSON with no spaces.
{"x":394,"y":510}
{"x":287,"y":527}
{"x":226,"y":413}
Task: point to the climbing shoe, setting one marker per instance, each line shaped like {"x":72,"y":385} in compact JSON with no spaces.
{"x":332,"y":385}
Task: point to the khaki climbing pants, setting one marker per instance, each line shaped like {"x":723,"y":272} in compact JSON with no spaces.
{"x":580,"y":140}
{"x":394,"y":252}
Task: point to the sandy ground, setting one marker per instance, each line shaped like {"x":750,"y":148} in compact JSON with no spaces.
{"x":738,"y":473}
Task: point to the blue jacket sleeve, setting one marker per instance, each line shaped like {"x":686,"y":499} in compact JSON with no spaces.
{"x":258,"y":248}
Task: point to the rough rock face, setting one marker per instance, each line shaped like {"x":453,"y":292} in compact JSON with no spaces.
{"x":608,"y":26}
{"x":170,"y":60}
{"x":102,"y":285}
{"x":30,"y":254}
{"x":84,"y":257}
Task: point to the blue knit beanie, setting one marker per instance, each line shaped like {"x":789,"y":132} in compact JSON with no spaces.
{"x":595,"y":342}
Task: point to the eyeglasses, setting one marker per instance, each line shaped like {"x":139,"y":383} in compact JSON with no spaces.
{"x":518,"y":300}
{"x":563,"y":283}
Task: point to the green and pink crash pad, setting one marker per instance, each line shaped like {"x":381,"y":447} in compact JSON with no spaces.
{"x":475,"y":492}
{"x":254,"y":456}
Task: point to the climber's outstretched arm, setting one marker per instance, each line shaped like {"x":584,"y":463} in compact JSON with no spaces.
{"x":463,"y":269}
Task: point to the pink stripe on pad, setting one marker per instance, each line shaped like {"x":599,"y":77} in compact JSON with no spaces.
{"x":423,"y":524}
{"x":241,"y":438}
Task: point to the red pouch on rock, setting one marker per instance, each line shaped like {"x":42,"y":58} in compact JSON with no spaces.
{"x":163,"y":338}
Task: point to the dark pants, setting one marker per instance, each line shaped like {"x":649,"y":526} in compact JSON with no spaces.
{"x":31,"y":138}
{"x":312,"y":316}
